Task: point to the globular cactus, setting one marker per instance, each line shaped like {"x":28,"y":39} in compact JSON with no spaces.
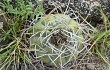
{"x":57,"y":39}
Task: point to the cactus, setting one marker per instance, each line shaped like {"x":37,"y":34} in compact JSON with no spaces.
{"x":57,"y":39}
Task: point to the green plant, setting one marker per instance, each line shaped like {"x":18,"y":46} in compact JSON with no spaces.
{"x":102,"y":41}
{"x":15,"y":51}
{"x":57,"y":39}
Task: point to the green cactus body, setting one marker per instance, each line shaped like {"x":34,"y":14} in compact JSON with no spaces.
{"x":54,"y":37}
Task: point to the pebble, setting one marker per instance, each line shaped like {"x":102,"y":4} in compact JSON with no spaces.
{"x":90,"y":67}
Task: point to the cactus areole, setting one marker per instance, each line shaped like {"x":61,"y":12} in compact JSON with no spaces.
{"x":56,"y":39}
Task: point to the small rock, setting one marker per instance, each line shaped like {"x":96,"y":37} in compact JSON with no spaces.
{"x":90,"y":67}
